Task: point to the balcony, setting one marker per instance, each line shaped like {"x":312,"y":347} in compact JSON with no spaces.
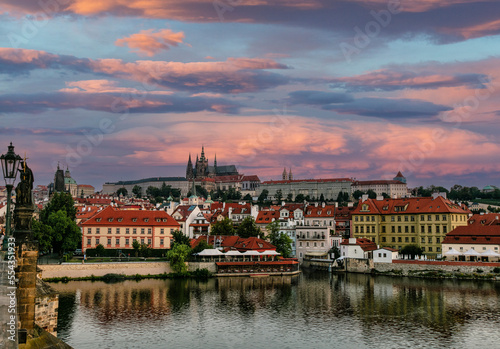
{"x":312,"y":237}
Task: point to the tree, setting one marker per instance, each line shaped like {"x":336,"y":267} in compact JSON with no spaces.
{"x":122,"y":191}
{"x":278,"y":195}
{"x":386,"y":196}
{"x":300,"y":198}
{"x":57,"y":228}
{"x":322,"y":198}
{"x":42,"y":233}
{"x":202,"y":245}
{"x":136,"y":245}
{"x":248,"y":197}
{"x":180,"y":238}
{"x":177,"y":257}
{"x":263,"y":196}
{"x":357,"y":194}
{"x":100,"y":250}
{"x":289,"y":197}
{"x":137,"y":190}
{"x":282,"y":241}
{"x":223,"y":227}
{"x":248,"y":228}
{"x":411,"y":250}
{"x":145,"y":250}
{"x":371,"y":194}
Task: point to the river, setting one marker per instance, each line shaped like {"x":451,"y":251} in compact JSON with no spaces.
{"x":317,"y":310}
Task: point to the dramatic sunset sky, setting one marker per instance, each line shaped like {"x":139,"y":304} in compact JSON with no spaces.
{"x":126,"y":89}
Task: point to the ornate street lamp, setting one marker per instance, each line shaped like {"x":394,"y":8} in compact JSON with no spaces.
{"x":10,"y":163}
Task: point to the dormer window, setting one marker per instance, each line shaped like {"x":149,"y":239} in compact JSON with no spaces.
{"x":158,"y":219}
{"x":146,"y":219}
{"x":164,"y":219}
{"x":120,"y":219}
{"x":134,"y":219}
{"x":110,"y":219}
{"x":98,"y":219}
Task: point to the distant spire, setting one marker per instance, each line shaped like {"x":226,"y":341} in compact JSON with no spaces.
{"x":189,"y":168}
{"x":290,"y":175}
{"x":215,"y":160}
{"x":284,"y":176}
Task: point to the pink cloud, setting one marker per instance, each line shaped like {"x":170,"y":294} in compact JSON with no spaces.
{"x":148,"y":43}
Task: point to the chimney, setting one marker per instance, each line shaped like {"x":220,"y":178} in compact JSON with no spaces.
{"x":364,"y":197}
{"x":380,"y":198}
{"x":315,"y":204}
{"x":323,"y":204}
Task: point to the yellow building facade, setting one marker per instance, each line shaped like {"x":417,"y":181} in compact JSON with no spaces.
{"x":396,"y":223}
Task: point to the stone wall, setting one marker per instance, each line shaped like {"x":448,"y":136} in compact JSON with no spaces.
{"x":46,"y":307}
{"x":408,"y":267}
{"x":192,"y":266}
{"x":355,"y":265}
{"x":76,"y":270}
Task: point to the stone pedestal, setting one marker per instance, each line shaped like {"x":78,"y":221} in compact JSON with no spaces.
{"x":27,"y":254}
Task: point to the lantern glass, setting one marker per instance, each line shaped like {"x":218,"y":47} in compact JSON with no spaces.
{"x":10,"y":163}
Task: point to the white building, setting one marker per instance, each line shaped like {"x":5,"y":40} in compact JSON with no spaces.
{"x":385,"y":255}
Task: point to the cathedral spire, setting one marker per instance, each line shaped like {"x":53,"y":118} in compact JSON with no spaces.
{"x":189,"y":168}
{"x":290,"y":175}
{"x":284,"y":176}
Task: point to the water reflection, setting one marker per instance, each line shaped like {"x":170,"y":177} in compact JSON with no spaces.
{"x":321,"y":310}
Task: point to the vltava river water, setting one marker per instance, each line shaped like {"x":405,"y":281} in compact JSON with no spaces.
{"x":307,"y":311}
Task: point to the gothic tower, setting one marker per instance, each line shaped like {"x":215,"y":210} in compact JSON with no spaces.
{"x":284,"y":176}
{"x":189,"y":169}
{"x":290,"y":175}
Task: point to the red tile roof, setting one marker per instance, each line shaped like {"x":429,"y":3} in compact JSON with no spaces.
{"x":235,"y":242}
{"x":115,"y":217}
{"x":327,"y":211}
{"x":474,"y":234}
{"x":408,"y":206}
{"x":378,"y":182}
{"x":319,"y":180}
{"x":266,"y":217}
{"x":365,"y":244}
{"x":485,"y":219}
{"x":252,"y":178}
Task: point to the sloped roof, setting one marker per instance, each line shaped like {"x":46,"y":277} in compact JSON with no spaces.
{"x":365,"y":244}
{"x":420,"y":205}
{"x":321,"y":212}
{"x":474,"y":234}
{"x":266,"y":217}
{"x":115,"y":217}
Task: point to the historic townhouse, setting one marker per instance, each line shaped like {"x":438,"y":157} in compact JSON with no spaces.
{"x":399,"y":222}
{"x":114,"y":228}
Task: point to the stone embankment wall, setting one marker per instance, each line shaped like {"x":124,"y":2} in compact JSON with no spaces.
{"x":192,"y":266}
{"x":407,"y":268}
{"x":76,"y":270}
{"x":355,"y":265}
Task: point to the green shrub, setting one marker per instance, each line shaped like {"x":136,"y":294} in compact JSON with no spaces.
{"x":496,"y":270}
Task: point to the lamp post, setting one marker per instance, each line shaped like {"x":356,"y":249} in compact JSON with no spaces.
{"x":10,"y":163}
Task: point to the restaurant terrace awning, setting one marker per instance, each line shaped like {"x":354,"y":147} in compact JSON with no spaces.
{"x":472,"y":252}
{"x":453,"y":252}
{"x":210,"y":252}
{"x":490,"y":253}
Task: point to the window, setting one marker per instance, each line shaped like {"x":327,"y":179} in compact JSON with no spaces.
{"x":356,"y":230}
{"x":430,"y":249}
{"x":149,"y":231}
{"x":127,"y":230}
{"x":355,"y":218}
{"x":97,"y":230}
{"x":161,"y":242}
{"x":413,"y":229}
{"x":407,"y":239}
{"x":142,"y":241}
{"x":383,"y":218}
{"x":373,"y":229}
{"x":438,"y":240}
{"x":97,"y":241}
{"x":393,"y":229}
{"x":399,"y":239}
{"x":134,"y":231}
{"x":445,"y":228}
{"x":300,"y":243}
{"x":437,"y":229}
{"x":109,"y":241}
{"x":315,"y":244}
{"x":438,"y":249}
{"x":392,"y":218}
{"x":373,"y":218}
{"x":127,"y":240}
{"x":429,"y":217}
{"x":385,"y":255}
{"x":118,"y":230}
{"x":109,"y":230}
{"x":322,"y":244}
{"x":89,"y":241}
{"x":149,"y":241}
{"x":383,"y":229}
{"x":393,"y":239}
{"x":423,"y":240}
{"x":380,"y":255}
{"x":399,"y":218}
{"x":437,"y":217}
{"x":429,"y":229}
{"x":412,"y":218}
{"x":399,"y":229}
{"x":162,"y":231}
{"x":406,"y":229}
{"x":307,"y":244}
{"x":117,"y":241}
{"x":422,"y":229}
{"x":89,"y":230}
{"x":142,"y":230}
{"x":444,"y":217}
{"x":406,"y":218}
{"x":413,"y":239}
{"x":429,"y":239}
{"x":423,"y":249}
{"x":362,"y":229}
{"x":361,"y":219}
{"x":422,"y":217}
{"x":383,"y":238}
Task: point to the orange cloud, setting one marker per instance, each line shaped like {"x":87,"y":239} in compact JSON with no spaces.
{"x":148,"y":43}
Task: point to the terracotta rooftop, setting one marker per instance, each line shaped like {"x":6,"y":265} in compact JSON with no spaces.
{"x":474,"y":234}
{"x":115,"y":217}
{"x":408,"y":206}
